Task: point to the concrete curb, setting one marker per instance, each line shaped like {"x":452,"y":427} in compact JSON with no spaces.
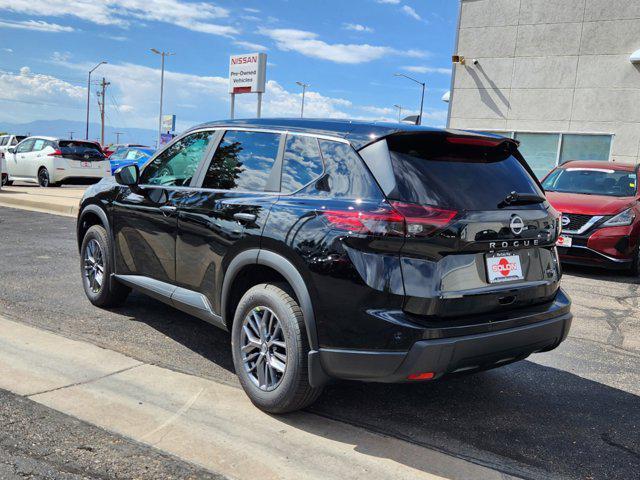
{"x":39,"y":206}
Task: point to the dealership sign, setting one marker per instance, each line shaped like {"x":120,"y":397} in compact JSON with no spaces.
{"x":168,"y":123}
{"x":247,"y":73}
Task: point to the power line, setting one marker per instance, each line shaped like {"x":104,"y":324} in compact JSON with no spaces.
{"x":44,"y":104}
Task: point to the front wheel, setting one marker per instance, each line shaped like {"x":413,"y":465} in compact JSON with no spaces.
{"x":96,"y":270}
{"x":270,"y":350}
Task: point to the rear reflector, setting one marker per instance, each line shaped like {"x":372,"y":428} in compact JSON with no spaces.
{"x":421,"y":376}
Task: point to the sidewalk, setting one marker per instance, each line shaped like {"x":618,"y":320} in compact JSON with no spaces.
{"x":209,"y":424}
{"x":59,"y":201}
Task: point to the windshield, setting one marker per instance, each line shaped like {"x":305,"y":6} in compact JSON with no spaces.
{"x":592,"y":181}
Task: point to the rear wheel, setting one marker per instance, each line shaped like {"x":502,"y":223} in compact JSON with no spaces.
{"x":44,"y":180}
{"x":270,"y":350}
{"x":96,"y":270}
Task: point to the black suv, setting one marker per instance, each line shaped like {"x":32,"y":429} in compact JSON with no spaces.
{"x":335,"y":249}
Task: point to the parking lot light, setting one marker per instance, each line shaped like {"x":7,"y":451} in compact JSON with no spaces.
{"x":86,"y":134}
{"x":421,"y":98}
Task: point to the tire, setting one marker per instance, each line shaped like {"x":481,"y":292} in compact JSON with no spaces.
{"x":102,"y":291}
{"x":289,"y":390}
{"x":635,"y":266}
{"x":44,"y":180}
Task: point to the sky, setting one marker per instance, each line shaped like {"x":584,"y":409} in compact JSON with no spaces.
{"x":347,"y":50}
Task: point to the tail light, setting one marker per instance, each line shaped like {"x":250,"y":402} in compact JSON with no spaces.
{"x":55,"y":153}
{"x":401,"y":220}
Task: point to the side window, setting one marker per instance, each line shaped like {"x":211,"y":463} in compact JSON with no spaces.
{"x":301,"y":164}
{"x":38,"y":145}
{"x":3,"y":141}
{"x":177,"y":164}
{"x":345,"y":174}
{"x":243,"y":161}
{"x":25,"y":146}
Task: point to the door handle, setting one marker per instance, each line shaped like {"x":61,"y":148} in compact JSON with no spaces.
{"x":245,"y":217}
{"x":168,"y":210}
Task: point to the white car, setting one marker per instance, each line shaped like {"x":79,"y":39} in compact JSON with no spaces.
{"x":7,"y":141}
{"x":50,"y":161}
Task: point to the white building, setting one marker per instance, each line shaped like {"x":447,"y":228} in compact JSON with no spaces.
{"x":555,"y":74}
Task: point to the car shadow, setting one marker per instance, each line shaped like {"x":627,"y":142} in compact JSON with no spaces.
{"x":524,"y":419}
{"x":598,"y":273}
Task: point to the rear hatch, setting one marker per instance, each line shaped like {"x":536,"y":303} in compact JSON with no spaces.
{"x":80,"y":154}
{"x":471,"y":245}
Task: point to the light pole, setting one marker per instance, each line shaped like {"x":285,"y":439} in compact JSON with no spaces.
{"x":423,"y":87}
{"x":399,"y":107}
{"x":162,"y":54}
{"x":304,"y":89}
{"x":86,"y":134}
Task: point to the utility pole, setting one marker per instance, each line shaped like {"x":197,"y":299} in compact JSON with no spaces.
{"x":304,"y":89}
{"x":86,"y":134}
{"x":162,"y":55}
{"x":118,"y":137}
{"x":71,"y":135}
{"x":101,"y":102}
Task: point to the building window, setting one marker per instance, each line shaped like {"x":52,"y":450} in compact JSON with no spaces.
{"x":540,"y":150}
{"x":585,"y":147}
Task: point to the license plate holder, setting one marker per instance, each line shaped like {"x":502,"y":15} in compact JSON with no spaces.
{"x":504,"y":267}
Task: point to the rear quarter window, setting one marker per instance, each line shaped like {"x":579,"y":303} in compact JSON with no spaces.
{"x":345,"y":175}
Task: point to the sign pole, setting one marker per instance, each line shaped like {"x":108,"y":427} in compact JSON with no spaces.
{"x":233,"y":105}
{"x":259,"y":104}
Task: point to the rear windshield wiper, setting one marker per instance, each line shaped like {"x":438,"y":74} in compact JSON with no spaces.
{"x":515,"y":198}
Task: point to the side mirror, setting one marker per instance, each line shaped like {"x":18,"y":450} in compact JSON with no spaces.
{"x":128,"y":175}
{"x":11,"y":150}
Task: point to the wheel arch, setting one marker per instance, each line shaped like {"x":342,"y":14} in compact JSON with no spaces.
{"x":89,"y":216}
{"x":285,"y":269}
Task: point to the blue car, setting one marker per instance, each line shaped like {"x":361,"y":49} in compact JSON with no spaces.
{"x":127,"y":155}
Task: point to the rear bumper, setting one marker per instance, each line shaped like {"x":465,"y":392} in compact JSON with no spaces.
{"x":444,"y":356}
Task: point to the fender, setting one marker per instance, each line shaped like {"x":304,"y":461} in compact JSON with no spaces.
{"x":95,"y":209}
{"x":284,"y":267}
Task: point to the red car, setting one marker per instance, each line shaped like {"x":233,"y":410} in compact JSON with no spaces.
{"x":600,"y":213}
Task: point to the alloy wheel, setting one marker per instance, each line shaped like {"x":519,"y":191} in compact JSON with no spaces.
{"x":93,"y":266}
{"x":263,"y":348}
{"x":43,"y":178}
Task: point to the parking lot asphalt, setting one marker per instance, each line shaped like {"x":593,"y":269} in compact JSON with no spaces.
{"x":570,"y":413}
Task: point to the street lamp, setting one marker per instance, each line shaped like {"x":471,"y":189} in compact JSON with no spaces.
{"x":86,"y":134}
{"x":419,"y":83}
{"x":304,"y":88}
{"x":399,"y":107}
{"x":162,"y":54}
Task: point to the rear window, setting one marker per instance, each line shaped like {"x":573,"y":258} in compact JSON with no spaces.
{"x":428,"y":170}
{"x":77,"y":145}
{"x":592,"y":181}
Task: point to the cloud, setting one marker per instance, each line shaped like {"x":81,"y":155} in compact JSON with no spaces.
{"x":389,"y":2}
{"x":411,"y":12}
{"x":60,"y":57}
{"x":37,"y":25}
{"x":7,"y":50}
{"x":31,"y":88}
{"x":251,"y":10}
{"x":423,"y":69}
{"x":250,"y":46}
{"x":356,"y":27}
{"x":194,"y":16}
{"x":307,"y":43}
